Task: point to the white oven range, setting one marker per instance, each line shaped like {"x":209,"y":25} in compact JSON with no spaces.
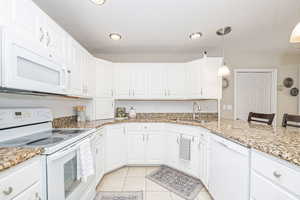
{"x":32,"y":127}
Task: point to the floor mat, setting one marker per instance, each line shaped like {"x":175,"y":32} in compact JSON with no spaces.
{"x":176,"y":181}
{"x":119,"y":196}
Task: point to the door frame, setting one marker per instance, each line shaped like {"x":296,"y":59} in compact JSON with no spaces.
{"x":274,"y":88}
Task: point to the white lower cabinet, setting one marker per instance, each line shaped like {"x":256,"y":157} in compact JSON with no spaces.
{"x":99,"y":154}
{"x":262,"y":189}
{"x":229,"y":170}
{"x":155,"y":148}
{"x":23,"y":181}
{"x":145,"y":146}
{"x":173,"y":149}
{"x":272,"y":178}
{"x":115,"y":147}
{"x":32,"y":193}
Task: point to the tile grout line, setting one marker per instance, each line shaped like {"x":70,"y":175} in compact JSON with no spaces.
{"x":125,"y":179}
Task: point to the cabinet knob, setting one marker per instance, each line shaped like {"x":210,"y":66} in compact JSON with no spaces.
{"x":277,"y":174}
{"x":69,"y":71}
{"x":8,"y":191}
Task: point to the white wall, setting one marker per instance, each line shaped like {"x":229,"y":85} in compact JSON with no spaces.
{"x":287,"y":66}
{"x":167,"y":106}
{"x":59,"y":106}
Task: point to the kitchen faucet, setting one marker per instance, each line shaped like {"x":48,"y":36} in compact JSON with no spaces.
{"x":196,"y":109}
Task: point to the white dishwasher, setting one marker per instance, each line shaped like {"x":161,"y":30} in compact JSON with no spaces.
{"x":229,"y":170}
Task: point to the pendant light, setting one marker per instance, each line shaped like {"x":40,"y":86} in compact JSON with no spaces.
{"x":224,"y":70}
{"x":295,"y":37}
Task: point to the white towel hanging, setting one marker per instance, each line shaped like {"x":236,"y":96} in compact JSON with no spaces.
{"x":185,"y":148}
{"x":85,"y":161}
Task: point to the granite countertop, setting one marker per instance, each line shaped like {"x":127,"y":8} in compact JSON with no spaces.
{"x":10,"y":157}
{"x":280,"y":142}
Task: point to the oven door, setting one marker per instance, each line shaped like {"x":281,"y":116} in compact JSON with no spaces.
{"x":27,"y":70}
{"x":62,"y":180}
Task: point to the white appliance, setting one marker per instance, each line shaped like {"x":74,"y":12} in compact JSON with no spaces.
{"x":31,"y":127}
{"x":24,"y":69}
{"x":229,"y":170}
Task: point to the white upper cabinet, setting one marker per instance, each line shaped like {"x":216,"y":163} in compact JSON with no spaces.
{"x":175,"y":76}
{"x":88,"y":74}
{"x":130,"y":81}
{"x":194,"y":84}
{"x":74,"y":60}
{"x":212,"y":83}
{"x":104,"y":79}
{"x":202,"y":79}
{"x":55,"y":41}
{"x":157,"y":81}
{"x":5,"y":8}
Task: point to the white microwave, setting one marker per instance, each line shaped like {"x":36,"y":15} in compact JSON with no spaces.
{"x":24,"y":69}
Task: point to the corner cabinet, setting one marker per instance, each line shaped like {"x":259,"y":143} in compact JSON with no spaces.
{"x":115,"y":147}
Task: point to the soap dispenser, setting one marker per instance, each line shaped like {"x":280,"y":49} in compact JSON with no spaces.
{"x":132,"y":113}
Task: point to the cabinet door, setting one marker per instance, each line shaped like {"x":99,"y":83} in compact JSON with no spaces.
{"x":262,"y":188}
{"x":116,"y":148}
{"x":155,"y":148}
{"x":27,"y":21}
{"x":157,"y":82}
{"x":203,"y":161}
{"x":176,"y":81}
{"x":104,"y":108}
{"x":123,"y":82}
{"x":173,"y":149}
{"x":136,"y":148}
{"x":55,"y":41}
{"x":99,"y":156}
{"x":194,"y":80}
{"x":139,"y":81}
{"x":212,"y":83}
{"x":34,"y":192}
{"x":74,"y":63}
{"x":104,"y":79}
{"x":5,"y":12}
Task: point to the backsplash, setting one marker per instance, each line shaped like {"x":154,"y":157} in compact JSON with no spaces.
{"x":181,"y":116}
{"x":59,"y":122}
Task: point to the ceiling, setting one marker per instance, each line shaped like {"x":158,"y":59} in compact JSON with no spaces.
{"x":161,"y":27}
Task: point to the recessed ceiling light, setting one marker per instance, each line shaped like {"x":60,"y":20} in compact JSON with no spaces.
{"x":98,"y":2}
{"x":195,"y":36}
{"x":115,"y":36}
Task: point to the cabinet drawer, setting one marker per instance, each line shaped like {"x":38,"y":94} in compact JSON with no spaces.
{"x":144,"y":127}
{"x":32,"y":193}
{"x":280,"y":173}
{"x":18,"y":179}
{"x":262,"y":189}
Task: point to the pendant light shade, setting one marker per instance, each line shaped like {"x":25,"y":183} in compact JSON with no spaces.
{"x":295,"y":37}
{"x":224,"y":71}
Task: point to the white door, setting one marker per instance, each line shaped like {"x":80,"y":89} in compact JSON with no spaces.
{"x":136,"y":148}
{"x":115,"y":151}
{"x":253,"y":93}
{"x":155,"y":148}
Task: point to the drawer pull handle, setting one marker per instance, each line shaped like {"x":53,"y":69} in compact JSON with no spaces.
{"x":277,"y":174}
{"x":8,"y":191}
{"x":37,"y":196}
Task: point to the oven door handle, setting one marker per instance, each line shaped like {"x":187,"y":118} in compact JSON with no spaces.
{"x":63,"y":152}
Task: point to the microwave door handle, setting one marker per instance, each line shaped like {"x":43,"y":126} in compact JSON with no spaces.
{"x":62,"y":153}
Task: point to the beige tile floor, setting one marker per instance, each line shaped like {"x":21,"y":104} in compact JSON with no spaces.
{"x":134,"y":179}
